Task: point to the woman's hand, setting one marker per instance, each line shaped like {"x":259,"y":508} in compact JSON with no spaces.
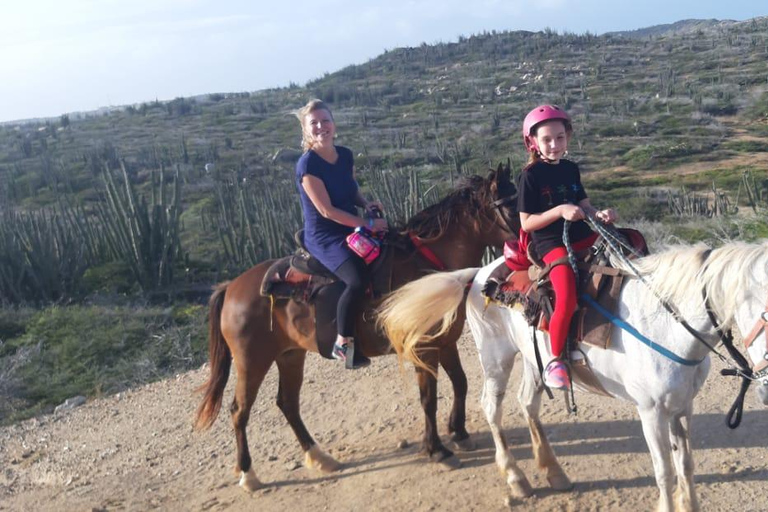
{"x":571,"y":212}
{"x":372,"y":207}
{"x":607,"y":216}
{"x":378,"y":225}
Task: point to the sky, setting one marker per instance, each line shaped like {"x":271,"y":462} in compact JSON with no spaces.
{"x":61,"y":56}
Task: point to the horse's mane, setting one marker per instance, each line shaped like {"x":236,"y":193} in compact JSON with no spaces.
{"x":683,"y":275}
{"x":469,"y":199}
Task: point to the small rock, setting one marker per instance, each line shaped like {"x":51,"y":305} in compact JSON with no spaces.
{"x":70,"y":403}
{"x":402,"y":445}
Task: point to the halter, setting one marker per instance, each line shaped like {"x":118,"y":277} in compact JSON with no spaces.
{"x":497,"y":207}
{"x":760,"y":325}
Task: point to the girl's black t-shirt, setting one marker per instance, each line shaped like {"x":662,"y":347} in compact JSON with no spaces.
{"x":544,"y":186}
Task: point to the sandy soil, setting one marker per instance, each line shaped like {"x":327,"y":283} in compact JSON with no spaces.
{"x":137,"y":451}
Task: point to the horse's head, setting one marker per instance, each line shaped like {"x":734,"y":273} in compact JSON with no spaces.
{"x":506,"y":221}
{"x":741,"y":272}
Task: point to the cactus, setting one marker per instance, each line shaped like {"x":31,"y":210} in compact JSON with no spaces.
{"x":145,"y":236}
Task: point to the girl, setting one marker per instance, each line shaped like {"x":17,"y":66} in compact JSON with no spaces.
{"x":325,"y":175}
{"x":550,"y":194}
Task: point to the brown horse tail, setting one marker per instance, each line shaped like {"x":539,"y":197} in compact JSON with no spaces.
{"x":423,"y":310}
{"x":221,"y":362}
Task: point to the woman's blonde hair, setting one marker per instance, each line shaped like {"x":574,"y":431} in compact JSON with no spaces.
{"x":302,"y":113}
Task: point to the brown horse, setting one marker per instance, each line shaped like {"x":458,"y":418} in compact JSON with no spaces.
{"x":247,"y":329}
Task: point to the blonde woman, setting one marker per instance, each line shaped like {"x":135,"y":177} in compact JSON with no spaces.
{"x":325,"y":176}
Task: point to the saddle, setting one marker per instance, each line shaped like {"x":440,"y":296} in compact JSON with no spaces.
{"x":522,"y":283}
{"x":302,"y":278}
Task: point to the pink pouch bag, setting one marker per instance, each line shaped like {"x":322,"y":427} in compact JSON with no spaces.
{"x":362,"y":243}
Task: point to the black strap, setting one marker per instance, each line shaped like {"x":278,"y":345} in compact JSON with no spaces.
{"x":733,"y":417}
{"x":540,"y":365}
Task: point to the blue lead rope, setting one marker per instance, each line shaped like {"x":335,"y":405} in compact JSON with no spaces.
{"x":634,"y":332}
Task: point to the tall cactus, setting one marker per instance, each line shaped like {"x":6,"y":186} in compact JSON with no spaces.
{"x":144,"y":235}
{"x":44,"y":254}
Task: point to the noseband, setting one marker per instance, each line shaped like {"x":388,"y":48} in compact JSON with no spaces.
{"x":498,"y":206}
{"x":760,"y":367}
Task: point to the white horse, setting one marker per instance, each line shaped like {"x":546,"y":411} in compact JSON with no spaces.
{"x":734,"y":279}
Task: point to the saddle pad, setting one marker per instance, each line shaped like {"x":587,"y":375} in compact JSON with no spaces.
{"x":590,"y":326}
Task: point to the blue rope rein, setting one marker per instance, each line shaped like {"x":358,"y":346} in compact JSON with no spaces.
{"x":618,"y":322}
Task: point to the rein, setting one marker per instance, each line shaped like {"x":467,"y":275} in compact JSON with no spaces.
{"x":733,"y":418}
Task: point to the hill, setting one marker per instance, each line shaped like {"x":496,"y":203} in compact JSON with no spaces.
{"x":117,"y":224}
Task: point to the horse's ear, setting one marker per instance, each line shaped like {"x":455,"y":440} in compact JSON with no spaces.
{"x":503,"y":172}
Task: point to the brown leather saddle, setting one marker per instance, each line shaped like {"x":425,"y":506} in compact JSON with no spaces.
{"x":530,"y":291}
{"x":302,"y":278}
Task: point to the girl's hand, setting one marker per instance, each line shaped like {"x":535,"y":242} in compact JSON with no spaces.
{"x":571,"y":212}
{"x":608,"y":216}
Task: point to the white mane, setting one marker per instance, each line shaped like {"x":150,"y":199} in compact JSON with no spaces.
{"x":680,"y":274}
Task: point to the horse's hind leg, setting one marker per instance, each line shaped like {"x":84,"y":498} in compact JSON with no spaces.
{"x":432,"y":445}
{"x":497,"y":370}
{"x":249,"y":379}
{"x":530,"y":400}
{"x":291,"y":367}
{"x":679,"y":432}
{"x":451,"y":363}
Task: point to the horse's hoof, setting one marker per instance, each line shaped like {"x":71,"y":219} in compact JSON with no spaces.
{"x":560,"y":482}
{"x":249,"y":482}
{"x":465,"y":445}
{"x":317,"y":459}
{"x":520,"y":488}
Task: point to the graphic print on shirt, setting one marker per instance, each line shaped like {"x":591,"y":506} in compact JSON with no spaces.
{"x":546,"y":192}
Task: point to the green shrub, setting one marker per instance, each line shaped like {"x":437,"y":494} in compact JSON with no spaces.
{"x":92,"y":350}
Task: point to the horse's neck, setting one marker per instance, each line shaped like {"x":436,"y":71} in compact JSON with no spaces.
{"x":636,"y":296}
{"x":460,"y":250}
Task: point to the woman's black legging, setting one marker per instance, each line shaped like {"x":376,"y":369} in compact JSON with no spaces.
{"x":354,"y":273}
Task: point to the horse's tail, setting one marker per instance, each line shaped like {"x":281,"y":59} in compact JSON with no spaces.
{"x":220,"y":360}
{"x":423,"y":310}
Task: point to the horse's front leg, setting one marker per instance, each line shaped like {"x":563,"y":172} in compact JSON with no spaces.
{"x":679,"y":437}
{"x":497,"y":372}
{"x":451,"y":363}
{"x":432,"y":445}
{"x":530,"y":401}
{"x":656,"y":428}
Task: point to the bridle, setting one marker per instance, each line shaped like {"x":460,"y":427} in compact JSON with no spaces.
{"x":760,"y":368}
{"x":758,"y":371}
{"x":499,"y":206}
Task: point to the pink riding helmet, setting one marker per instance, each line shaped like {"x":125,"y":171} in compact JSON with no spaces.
{"x":539,"y":115}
